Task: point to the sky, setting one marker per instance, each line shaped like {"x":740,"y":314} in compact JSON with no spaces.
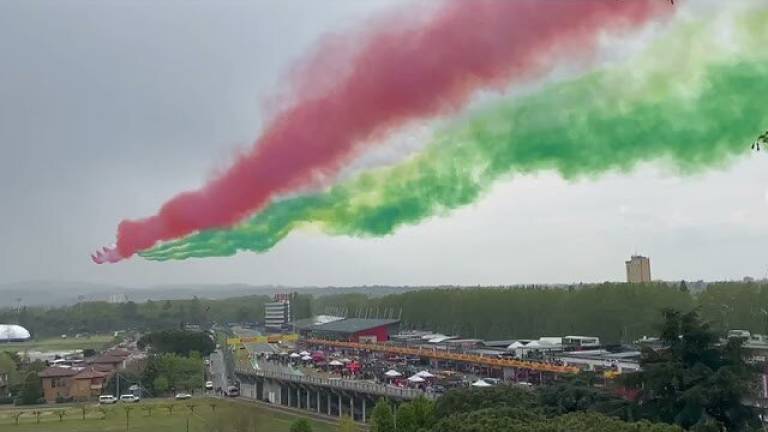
{"x":107,"y":109}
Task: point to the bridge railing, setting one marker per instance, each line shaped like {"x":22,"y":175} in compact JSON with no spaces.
{"x":341,"y":384}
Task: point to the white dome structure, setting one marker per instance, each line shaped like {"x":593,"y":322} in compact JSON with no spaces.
{"x":13,"y":333}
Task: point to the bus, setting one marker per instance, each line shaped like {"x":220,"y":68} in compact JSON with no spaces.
{"x":577,"y":343}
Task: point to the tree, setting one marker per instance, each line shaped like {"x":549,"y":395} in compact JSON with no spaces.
{"x":301,"y":425}
{"x":382,"y":419}
{"x":61,"y":413}
{"x":127,"y":410}
{"x":578,"y":394}
{"x":346,"y":424}
{"x":416,"y":415}
{"x":160,"y":385}
{"x":694,"y":379}
{"x":16,"y":416}
{"x":32,"y":390}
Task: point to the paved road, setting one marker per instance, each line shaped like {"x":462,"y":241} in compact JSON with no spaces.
{"x":218,"y":370}
{"x":264,"y":348}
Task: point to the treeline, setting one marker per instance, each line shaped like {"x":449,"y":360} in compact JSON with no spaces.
{"x":103,"y":317}
{"x":615,"y":312}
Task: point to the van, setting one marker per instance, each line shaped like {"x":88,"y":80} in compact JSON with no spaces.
{"x":107,"y":399}
{"x":129,"y":398}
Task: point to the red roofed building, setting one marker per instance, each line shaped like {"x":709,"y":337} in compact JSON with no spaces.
{"x":72,"y":383}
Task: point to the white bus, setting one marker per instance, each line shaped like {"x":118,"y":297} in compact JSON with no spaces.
{"x":580,"y":342}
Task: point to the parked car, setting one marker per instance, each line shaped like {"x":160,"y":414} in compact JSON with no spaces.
{"x":233,"y":391}
{"x":129,"y":398}
{"x":209,"y":385}
{"x":107,"y":399}
{"x":183,"y":396}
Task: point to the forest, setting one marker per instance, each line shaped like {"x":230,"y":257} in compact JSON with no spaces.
{"x":615,"y":312}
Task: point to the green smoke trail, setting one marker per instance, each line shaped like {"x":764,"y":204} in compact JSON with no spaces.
{"x":688,"y":104}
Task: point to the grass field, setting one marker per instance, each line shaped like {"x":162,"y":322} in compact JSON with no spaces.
{"x":96,"y":342}
{"x":225,"y":417}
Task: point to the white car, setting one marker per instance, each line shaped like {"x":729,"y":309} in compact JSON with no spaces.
{"x":183,"y":396}
{"x":129,"y":398}
{"x":107,"y":400}
{"x":209,"y":385}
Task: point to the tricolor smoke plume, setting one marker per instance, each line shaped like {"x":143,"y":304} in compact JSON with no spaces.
{"x":399,"y":73}
{"x":693,"y":103}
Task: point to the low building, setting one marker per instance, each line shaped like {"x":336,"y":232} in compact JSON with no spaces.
{"x":356,"y":330}
{"x":68,"y":383}
{"x":110,"y":361}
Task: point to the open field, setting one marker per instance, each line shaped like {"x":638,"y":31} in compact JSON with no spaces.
{"x":96,"y":342}
{"x":225,"y":417}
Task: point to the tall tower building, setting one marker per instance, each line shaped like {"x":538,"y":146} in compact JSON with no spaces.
{"x":638,"y":269}
{"x":277,"y":314}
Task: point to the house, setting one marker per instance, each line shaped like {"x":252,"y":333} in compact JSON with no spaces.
{"x":78,"y":384}
{"x":57,"y":381}
{"x":110,"y":361}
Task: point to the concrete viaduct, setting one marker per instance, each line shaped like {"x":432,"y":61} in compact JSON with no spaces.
{"x":331,"y":397}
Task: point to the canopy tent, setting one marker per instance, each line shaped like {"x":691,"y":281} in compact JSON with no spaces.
{"x":306,"y":358}
{"x":345,"y":360}
{"x":425,"y":374}
{"x":516,"y":345}
{"x":416,"y":379}
{"x":481,"y":383}
{"x":392,"y":373}
{"x":304,"y":353}
{"x":283,"y":353}
{"x":294,"y":355}
{"x":335,"y":363}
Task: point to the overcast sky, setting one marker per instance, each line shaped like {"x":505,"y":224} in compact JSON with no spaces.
{"x":109,"y":108}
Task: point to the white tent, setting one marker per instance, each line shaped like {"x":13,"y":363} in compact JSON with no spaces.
{"x":306,"y":358}
{"x":294,"y":355}
{"x":425,"y":374}
{"x":516,"y":345}
{"x":480,"y":383}
{"x":336,"y":363}
{"x":304,"y":353}
{"x":534,"y":345}
{"x":416,"y":379}
{"x":392,"y":373}
{"x":346,"y":360}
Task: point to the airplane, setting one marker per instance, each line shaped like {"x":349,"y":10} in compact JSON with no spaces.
{"x":761,"y":140}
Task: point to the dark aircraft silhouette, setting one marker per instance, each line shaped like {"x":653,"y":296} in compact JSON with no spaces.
{"x":761,"y":140}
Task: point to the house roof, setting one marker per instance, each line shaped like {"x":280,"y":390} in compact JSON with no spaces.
{"x":107,"y":359}
{"x":353,"y":325}
{"x":57,"y":372}
{"x":90,"y":374}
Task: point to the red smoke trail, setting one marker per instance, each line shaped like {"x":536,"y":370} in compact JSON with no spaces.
{"x":398,"y":74}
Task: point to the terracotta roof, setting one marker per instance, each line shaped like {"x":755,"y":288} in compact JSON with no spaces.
{"x":118,"y":353}
{"x":107,"y":359}
{"x":90,"y":374}
{"x":57,"y":372}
